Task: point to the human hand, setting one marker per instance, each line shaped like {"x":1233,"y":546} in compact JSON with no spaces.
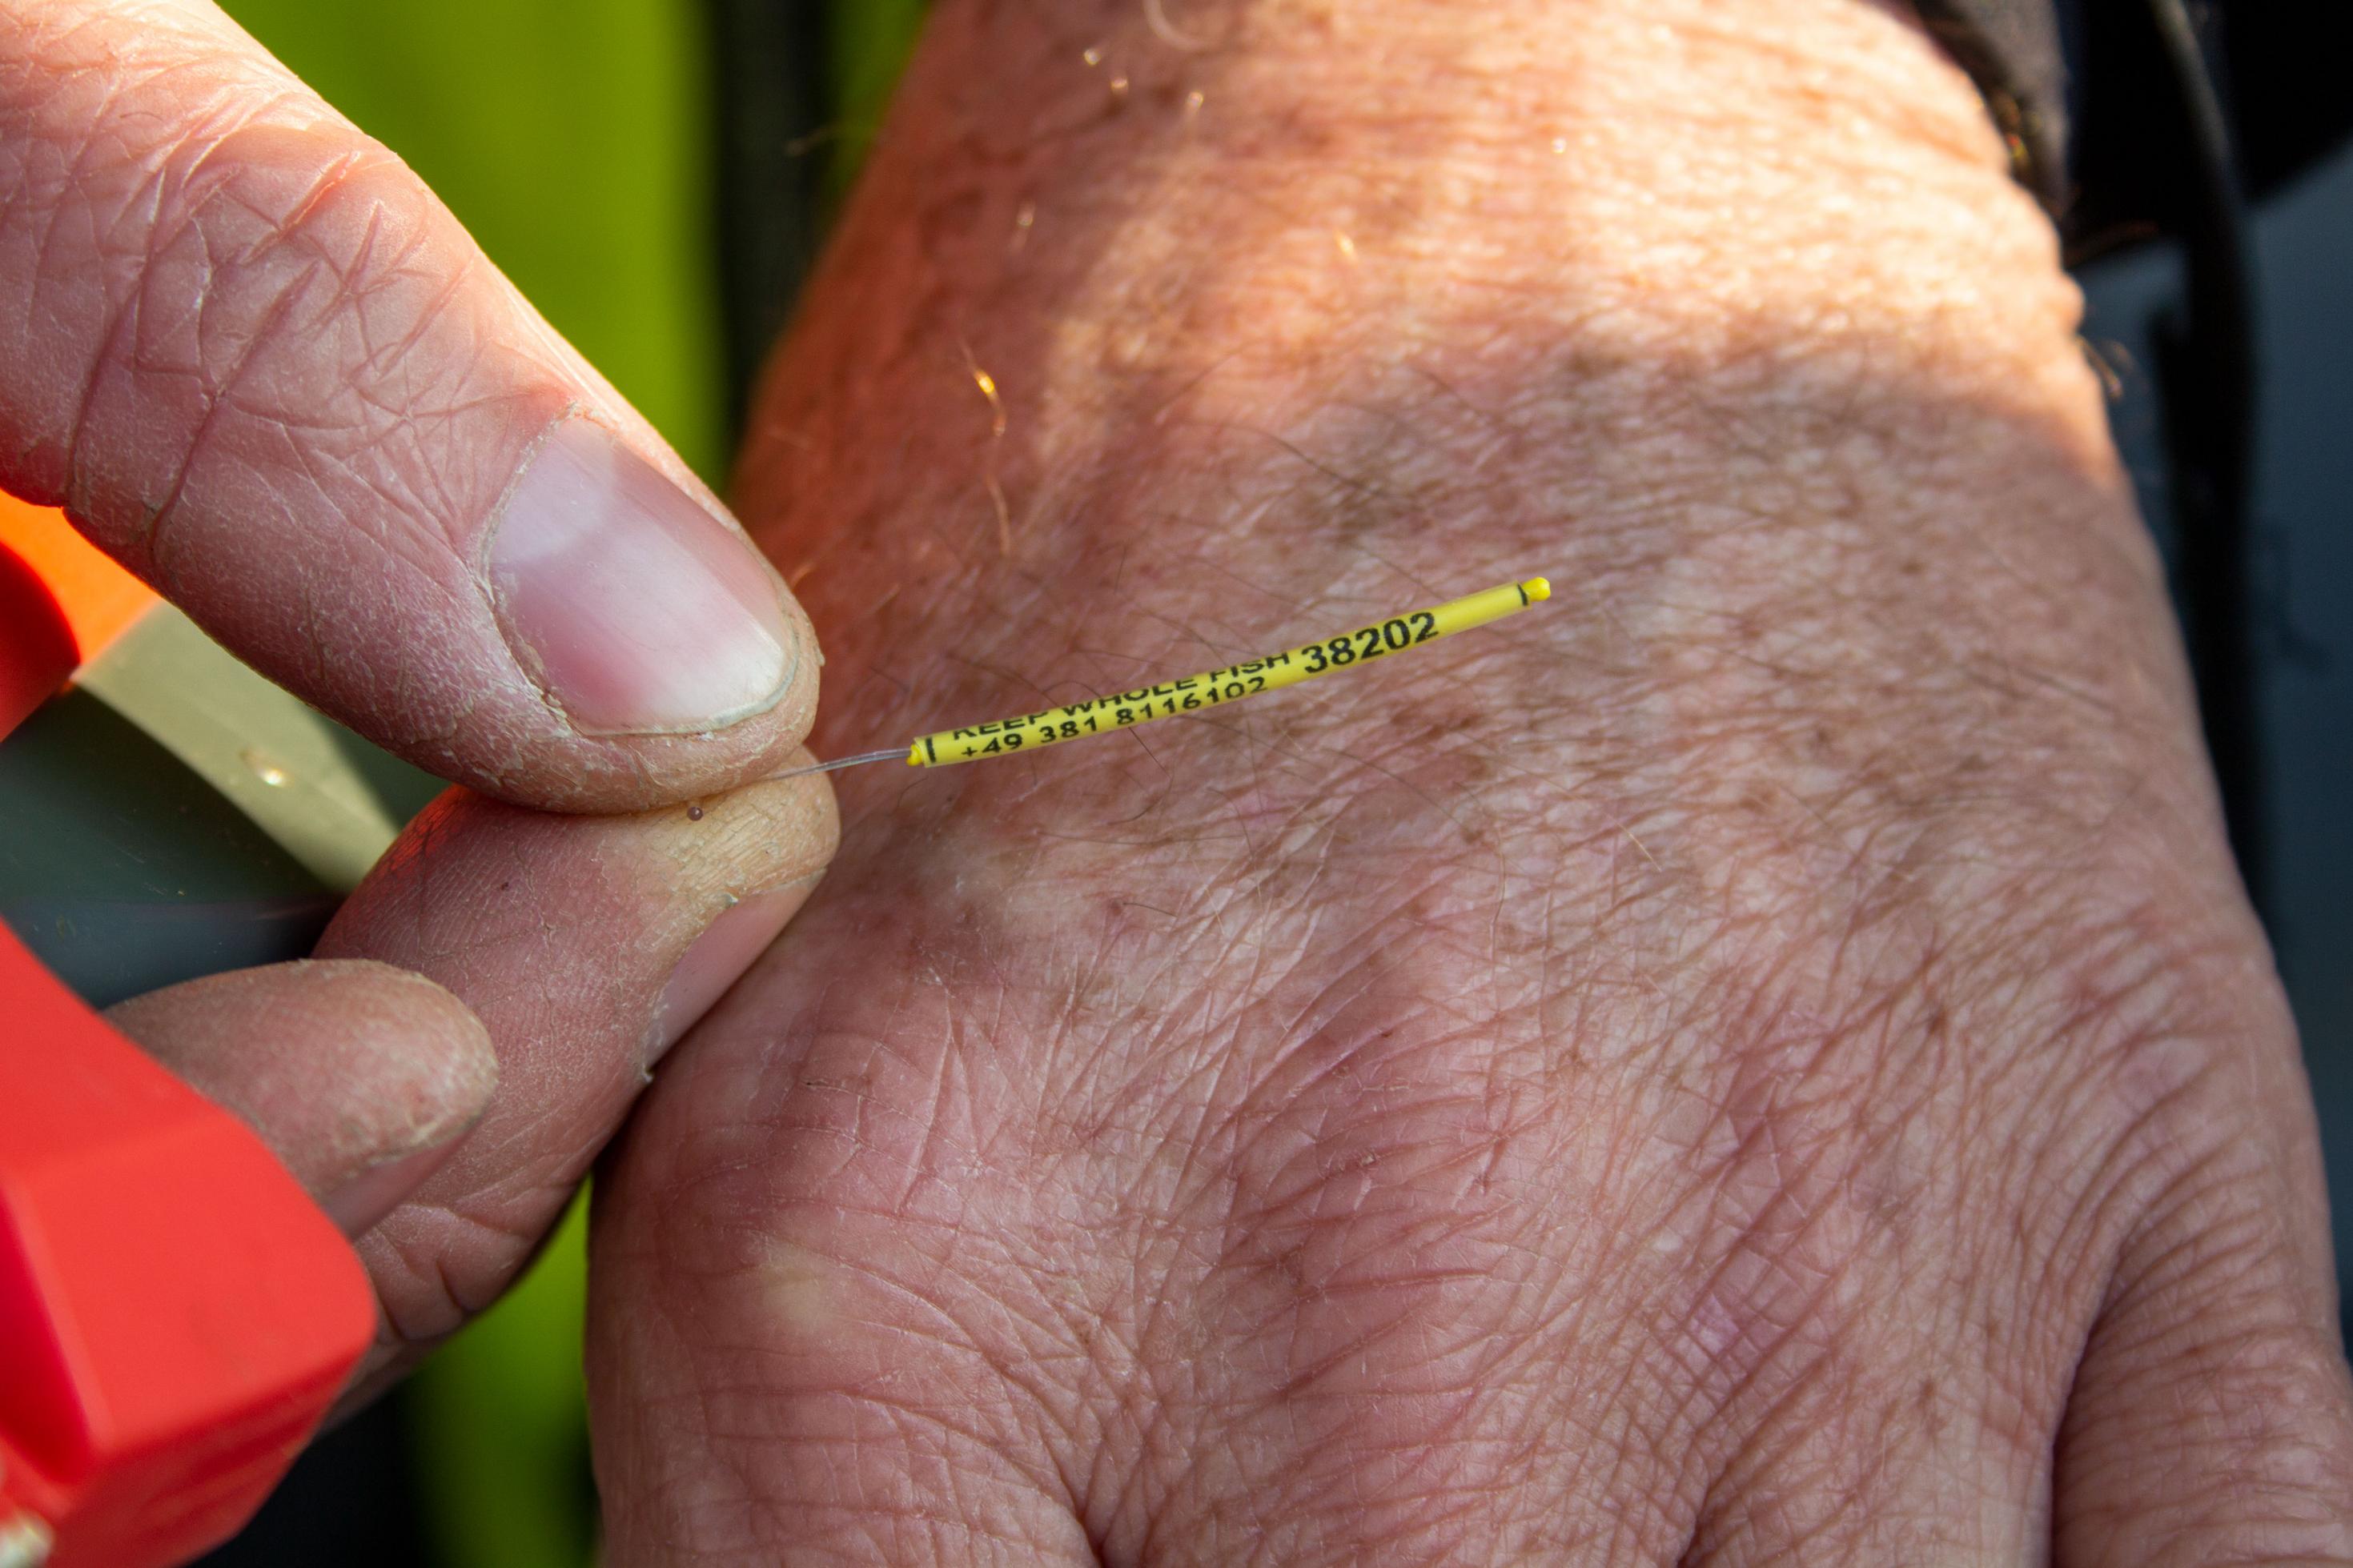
{"x":1765,"y":1060}
{"x":258,"y":362}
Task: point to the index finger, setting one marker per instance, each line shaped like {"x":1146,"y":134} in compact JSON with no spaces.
{"x":256,"y":361}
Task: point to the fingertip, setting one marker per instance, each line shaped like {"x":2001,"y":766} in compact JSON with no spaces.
{"x":444,"y":1069}
{"x":610,"y":775}
{"x":345,"y":1068}
{"x":775,"y":830}
{"x":567,"y":935}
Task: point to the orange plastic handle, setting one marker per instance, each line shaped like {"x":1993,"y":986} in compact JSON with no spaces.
{"x":98,"y":599}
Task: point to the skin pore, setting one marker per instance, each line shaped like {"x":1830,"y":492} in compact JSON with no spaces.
{"x":1766,"y":1060}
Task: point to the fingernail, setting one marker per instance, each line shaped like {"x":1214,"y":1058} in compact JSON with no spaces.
{"x":376,"y":1192}
{"x":719,"y":957}
{"x":633,"y":606}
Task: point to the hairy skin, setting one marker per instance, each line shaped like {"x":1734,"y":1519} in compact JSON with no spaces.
{"x":1765,"y":1060}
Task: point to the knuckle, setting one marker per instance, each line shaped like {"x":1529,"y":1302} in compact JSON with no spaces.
{"x":221,"y":265}
{"x":251,"y":325}
{"x":436,"y":1264}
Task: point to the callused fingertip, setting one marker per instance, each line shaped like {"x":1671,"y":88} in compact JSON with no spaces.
{"x":635,"y":607}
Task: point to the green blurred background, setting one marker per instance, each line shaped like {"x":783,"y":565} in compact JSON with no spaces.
{"x":581,"y":143}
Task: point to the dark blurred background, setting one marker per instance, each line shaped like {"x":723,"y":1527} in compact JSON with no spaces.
{"x":656,"y":175}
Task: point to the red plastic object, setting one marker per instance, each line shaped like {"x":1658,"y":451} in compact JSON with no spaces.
{"x":97,"y":598}
{"x":36,"y":647}
{"x":62,"y":600}
{"x":176,"y":1314}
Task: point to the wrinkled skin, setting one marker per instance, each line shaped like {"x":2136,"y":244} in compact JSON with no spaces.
{"x":1765,"y":1060}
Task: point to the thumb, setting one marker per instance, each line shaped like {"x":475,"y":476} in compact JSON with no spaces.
{"x":258,"y":362}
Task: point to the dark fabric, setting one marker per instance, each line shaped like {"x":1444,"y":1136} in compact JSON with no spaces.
{"x":2094,"y":110}
{"x":2011,"y":49}
{"x":770,"y":61}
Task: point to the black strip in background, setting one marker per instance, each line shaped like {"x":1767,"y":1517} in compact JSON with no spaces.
{"x":2131,"y":149}
{"x":351,"y":1499}
{"x":2011,"y":49}
{"x":2206,"y":377}
{"x":774,"y":100}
